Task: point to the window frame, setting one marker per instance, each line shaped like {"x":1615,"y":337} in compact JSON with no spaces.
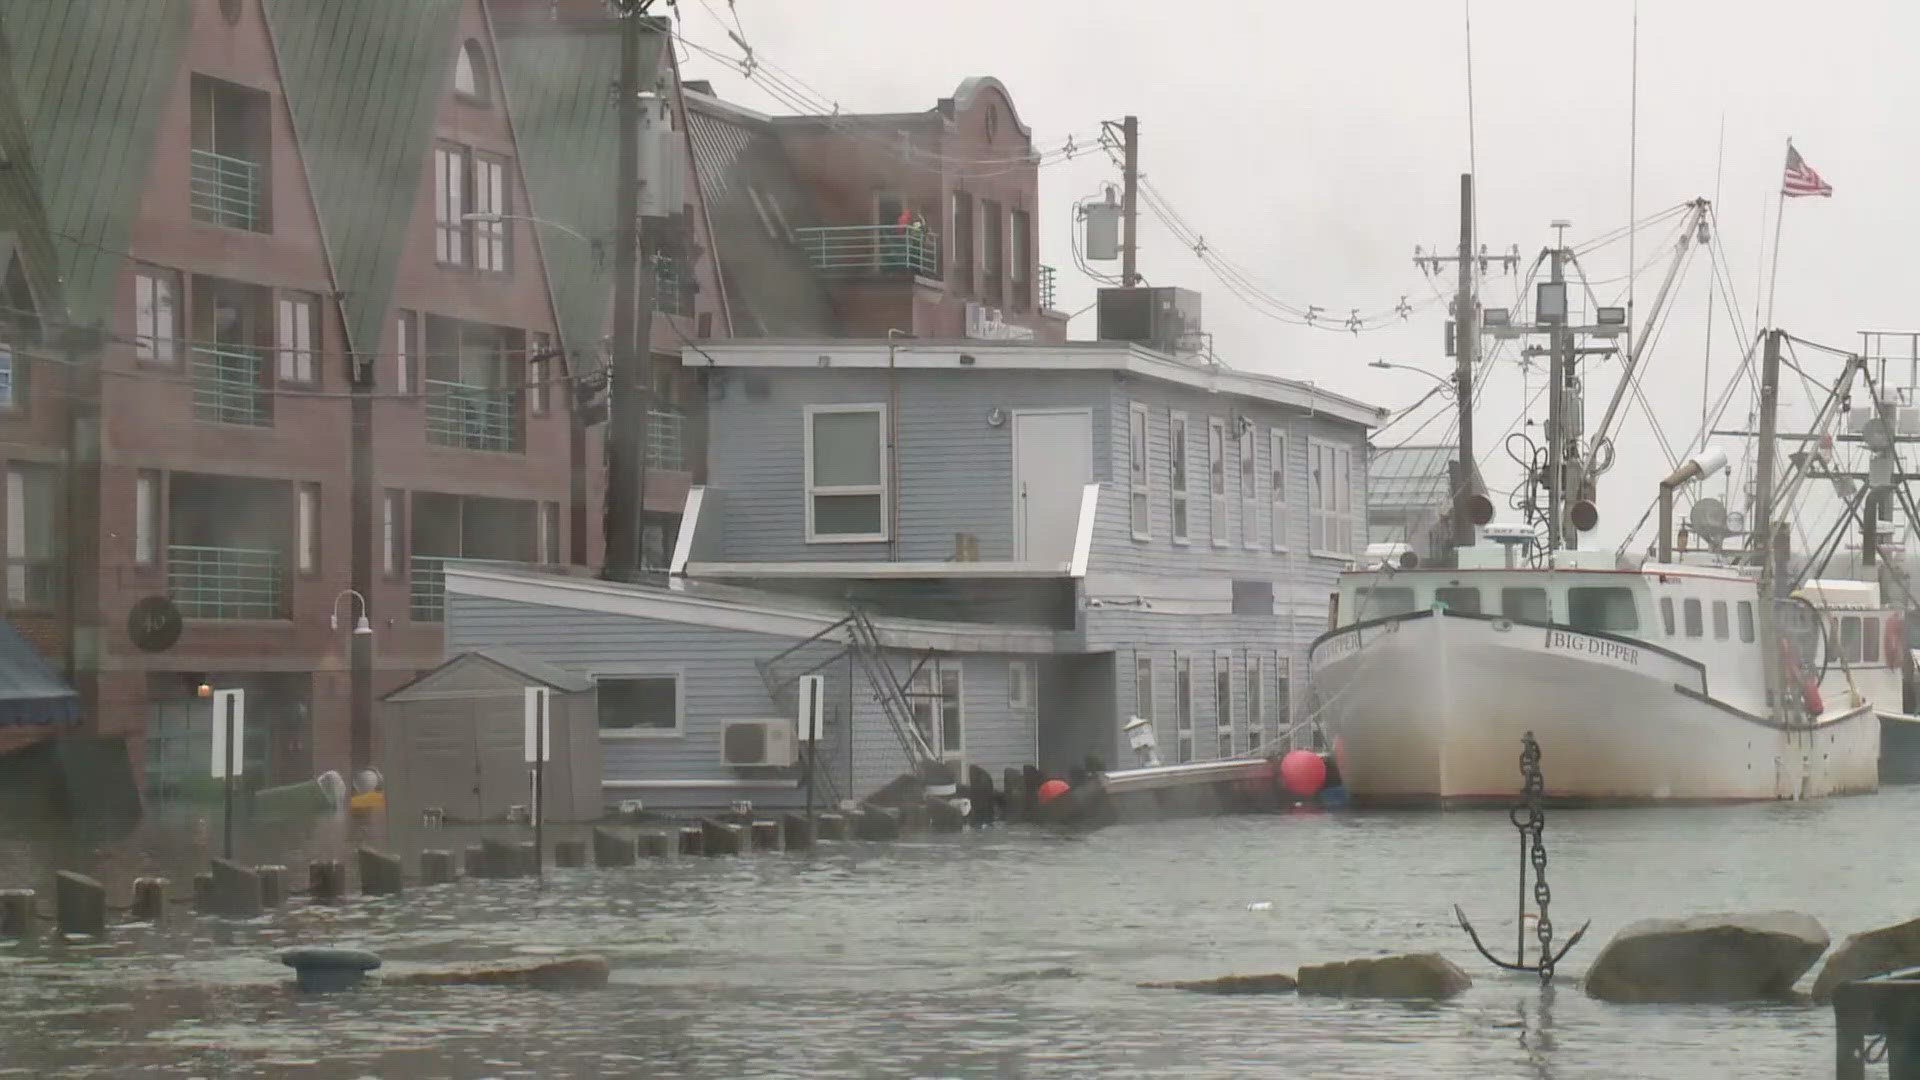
{"x":1722,"y":623}
{"x":451,"y":167}
{"x":148,"y":277}
{"x":490,"y":191}
{"x":1143,"y":666}
{"x":1277,"y":519}
{"x":1332,"y":505}
{"x":22,"y":475}
{"x":473,"y":59}
{"x":1256,"y":680}
{"x":12,"y":401}
{"x":1744,"y":616}
{"x":1183,"y":707}
{"x":1179,"y":476}
{"x":1140,"y":471}
{"x":926,"y":687}
{"x":1217,"y":523}
{"x":296,"y":362}
{"x":1223,"y":704}
{"x":1020,"y":675}
{"x":393,"y":551}
{"x":547,"y":532}
{"x":812,"y":491}
{"x":306,"y":528}
{"x":539,"y":399}
{"x":1247,"y":451}
{"x":1669,"y":619}
{"x":148,"y":486}
{"x":618,"y":673}
{"x":1693,"y":618}
{"x":406,"y":350}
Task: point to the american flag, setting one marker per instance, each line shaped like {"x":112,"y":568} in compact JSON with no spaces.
{"x":1800,"y":179}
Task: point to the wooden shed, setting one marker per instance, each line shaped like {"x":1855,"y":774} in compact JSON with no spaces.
{"x":454,"y":740}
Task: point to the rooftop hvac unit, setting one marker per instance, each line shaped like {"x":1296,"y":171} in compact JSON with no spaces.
{"x":663,"y":168}
{"x":749,"y":743}
{"x":1163,"y":317}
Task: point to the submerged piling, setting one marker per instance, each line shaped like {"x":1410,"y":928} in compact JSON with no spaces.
{"x":832,"y":826}
{"x":16,"y":912}
{"x":693,"y":840}
{"x":656,"y":845}
{"x":273,"y":884}
{"x":149,"y":901}
{"x":236,"y":891}
{"x":326,"y":879}
{"x":79,"y":904}
{"x":380,"y":873}
{"x":569,"y":854}
{"x":797,"y":832}
{"x":766,"y":836}
{"x":722,"y":837}
{"x":612,"y":849}
{"x":436,"y":866}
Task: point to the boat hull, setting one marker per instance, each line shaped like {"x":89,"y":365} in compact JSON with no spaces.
{"x":1431,"y":709}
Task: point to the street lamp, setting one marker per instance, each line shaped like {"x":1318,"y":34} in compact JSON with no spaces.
{"x":495,"y":219}
{"x":1446,"y":385}
{"x":361,"y":627}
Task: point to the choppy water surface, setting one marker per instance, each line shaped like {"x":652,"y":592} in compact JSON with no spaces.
{"x":999,"y":953}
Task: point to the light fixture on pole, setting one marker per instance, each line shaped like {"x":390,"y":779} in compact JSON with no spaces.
{"x":1446,"y":385}
{"x":361,"y":626}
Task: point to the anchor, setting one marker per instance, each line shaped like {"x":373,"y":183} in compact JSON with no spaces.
{"x":1528,"y":817}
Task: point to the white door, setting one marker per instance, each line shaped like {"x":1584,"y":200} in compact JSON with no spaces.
{"x":1052,"y":463}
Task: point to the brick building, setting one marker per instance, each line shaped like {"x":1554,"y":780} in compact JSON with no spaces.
{"x":298,"y":295}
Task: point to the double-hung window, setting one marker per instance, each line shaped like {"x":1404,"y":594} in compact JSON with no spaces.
{"x":1249,"y":486}
{"x":846,"y":469}
{"x":297,"y":337}
{"x":1277,"y":488}
{"x":1177,"y":477}
{"x":1331,"y":473}
{"x":1140,"y":475}
{"x":1217,"y":480}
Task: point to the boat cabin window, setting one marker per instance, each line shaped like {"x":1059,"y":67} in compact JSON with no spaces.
{"x":1666,"y":614}
{"x":1690,"y":611}
{"x":1849,"y":639}
{"x":1720,"y":632}
{"x":1606,"y":608}
{"x":1379,"y":603}
{"x":1460,"y":598}
{"x":1870,"y":639}
{"x":1746,"y":621}
{"x":1527,"y":605}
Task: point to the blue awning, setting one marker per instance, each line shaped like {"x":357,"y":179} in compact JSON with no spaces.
{"x":31,"y":695}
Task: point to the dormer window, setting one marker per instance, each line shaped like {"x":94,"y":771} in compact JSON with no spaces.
{"x":469,"y":73}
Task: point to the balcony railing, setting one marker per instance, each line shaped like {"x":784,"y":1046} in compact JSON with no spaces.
{"x":870,"y":249}
{"x":665,"y":430}
{"x":226,"y":190}
{"x":224,"y":582}
{"x":1046,"y":288}
{"x":671,"y":295}
{"x":470,"y":417}
{"x":428,"y":589}
{"x":228,"y":386}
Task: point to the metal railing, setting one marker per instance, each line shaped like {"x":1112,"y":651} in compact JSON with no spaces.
{"x":665,"y":430}
{"x":1046,"y":287}
{"x":226,"y":190}
{"x":427,"y":589}
{"x":225,"y":582}
{"x":229,"y":386}
{"x":868,"y":249}
{"x":470,"y":417}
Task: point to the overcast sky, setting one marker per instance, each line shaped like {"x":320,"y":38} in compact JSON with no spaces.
{"x":1315,"y":144}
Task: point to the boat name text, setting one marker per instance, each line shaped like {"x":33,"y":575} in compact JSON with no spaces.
{"x":1592,"y":646}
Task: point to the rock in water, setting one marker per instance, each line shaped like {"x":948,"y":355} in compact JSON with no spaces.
{"x":1726,"y":957}
{"x":1413,"y":975}
{"x":1874,"y":952}
{"x":1231,"y":984}
{"x":568,"y":973}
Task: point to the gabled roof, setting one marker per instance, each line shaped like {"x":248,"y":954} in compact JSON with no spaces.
{"x":755,"y":200}
{"x":89,"y":81}
{"x":557,"y":79}
{"x":515,"y":666}
{"x":363,"y":80}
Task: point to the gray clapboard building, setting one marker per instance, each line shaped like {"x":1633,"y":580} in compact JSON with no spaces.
{"x":993,"y":553}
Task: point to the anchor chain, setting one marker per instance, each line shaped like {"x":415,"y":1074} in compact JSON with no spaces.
{"x":1529,"y":817}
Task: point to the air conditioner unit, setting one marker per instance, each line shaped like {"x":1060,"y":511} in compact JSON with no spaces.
{"x":751,"y":743}
{"x":1162,"y":318}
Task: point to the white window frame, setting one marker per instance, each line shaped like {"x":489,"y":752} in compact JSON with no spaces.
{"x":390,"y":532}
{"x":1217,"y":480}
{"x":306,"y":498}
{"x":1333,"y":514}
{"x":549,"y":532}
{"x":491,"y":196}
{"x":1256,"y":697}
{"x":450,"y":204}
{"x":146,"y":517}
{"x":406,"y":335}
{"x":1277,"y":486}
{"x":1143,"y":696}
{"x":1020,"y":685}
{"x":1140,"y":467}
{"x":1248,"y":447}
{"x":1223,"y":704}
{"x":679,"y":677}
{"x":1183,"y":708}
{"x":1282,"y":701}
{"x":1180,"y":475}
{"x":156,"y":315}
{"x":880,"y":489}
{"x":295,"y":335}
{"x":927,"y":689}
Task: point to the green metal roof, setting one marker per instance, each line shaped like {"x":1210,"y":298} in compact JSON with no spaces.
{"x":89,"y":79}
{"x":23,"y":218}
{"x":558,"y":81}
{"x":363,"y":80}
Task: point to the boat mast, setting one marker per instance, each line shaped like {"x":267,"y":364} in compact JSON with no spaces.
{"x":1559,"y":378}
{"x":1762,"y":530}
{"x":1466,"y":350}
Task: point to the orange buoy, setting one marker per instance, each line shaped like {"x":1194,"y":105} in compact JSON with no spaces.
{"x":1303,"y":772}
{"x":1052,"y":790}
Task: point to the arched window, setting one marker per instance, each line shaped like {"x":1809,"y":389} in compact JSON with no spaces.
{"x":469,"y":72}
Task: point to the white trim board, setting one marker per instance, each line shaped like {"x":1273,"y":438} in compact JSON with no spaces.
{"x":875,"y":569}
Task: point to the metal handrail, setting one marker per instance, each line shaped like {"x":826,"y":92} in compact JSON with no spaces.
{"x":427,"y":588}
{"x":207,"y":582}
{"x":1046,"y":287}
{"x":228,"y":386}
{"x":470,"y":417}
{"x":225,"y":190}
{"x":865,"y":249}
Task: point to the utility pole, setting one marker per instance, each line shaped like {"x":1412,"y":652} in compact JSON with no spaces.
{"x":629,"y":387}
{"x":1129,"y":198}
{"x":1761,"y":532}
{"x":360,"y":558}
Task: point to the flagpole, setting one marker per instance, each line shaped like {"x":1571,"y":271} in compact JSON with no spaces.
{"x":1773,"y":274}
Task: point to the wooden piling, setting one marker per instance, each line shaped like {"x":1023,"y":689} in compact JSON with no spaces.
{"x":380,"y":872}
{"x":766,"y":836}
{"x":236,"y":890}
{"x":656,"y":845}
{"x":436,"y":866}
{"x":79,"y":904}
{"x":149,"y":901}
{"x":612,"y":849}
{"x":475,"y":857}
{"x":831,"y":826}
{"x":16,"y":912}
{"x":877,"y":823}
{"x":509,"y":858}
{"x":204,"y":900}
{"x":569,"y":854}
{"x":273,"y":884}
{"x":326,"y":879}
{"x":797,"y":832}
{"x":722,"y":837}
{"x":693,"y":840}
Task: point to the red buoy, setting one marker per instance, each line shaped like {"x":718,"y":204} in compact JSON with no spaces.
{"x":1052,"y":790}
{"x":1303,"y":772}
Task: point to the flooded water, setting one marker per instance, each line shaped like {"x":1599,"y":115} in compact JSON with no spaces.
{"x":1000,"y":953}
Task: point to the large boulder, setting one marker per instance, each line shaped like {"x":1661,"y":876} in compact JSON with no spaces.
{"x":1724,"y":957}
{"x":1414,"y":975}
{"x":1231,"y":984}
{"x":1874,"y":952}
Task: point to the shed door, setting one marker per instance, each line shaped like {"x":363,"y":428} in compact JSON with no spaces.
{"x":1052,"y":463}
